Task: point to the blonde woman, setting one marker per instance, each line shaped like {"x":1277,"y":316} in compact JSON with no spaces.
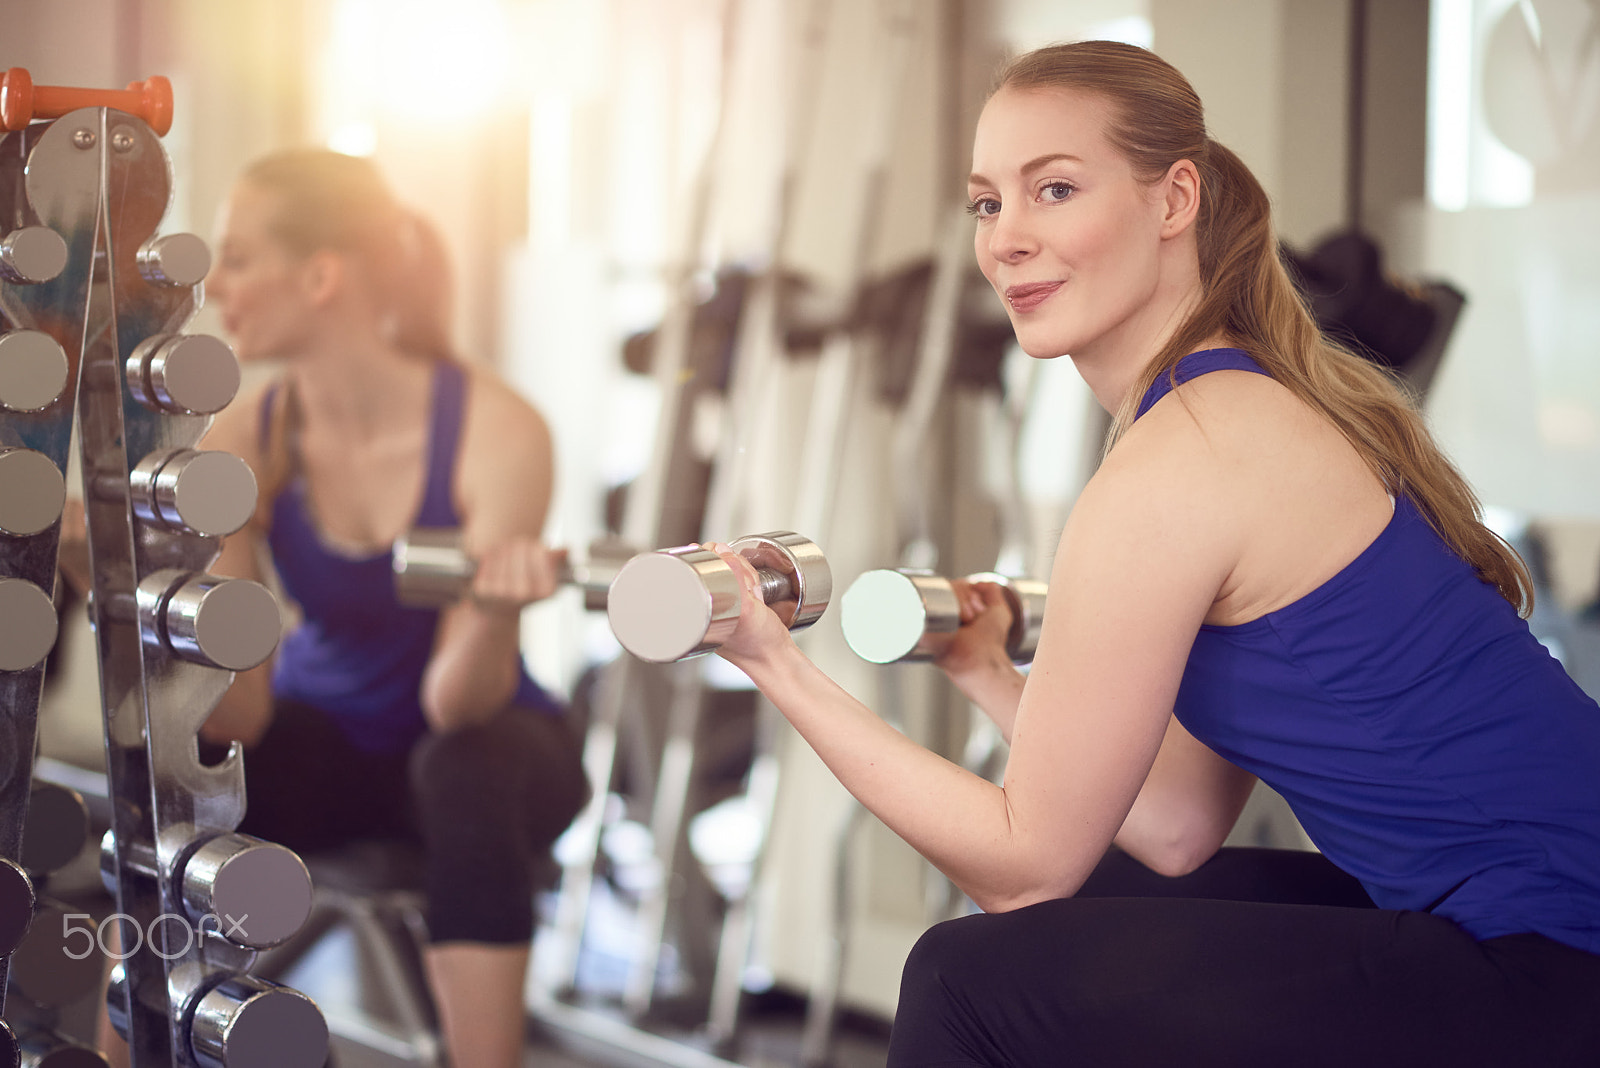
{"x":375,"y":719}
{"x":1274,"y":573}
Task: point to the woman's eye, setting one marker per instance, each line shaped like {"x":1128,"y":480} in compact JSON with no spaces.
{"x":983,"y":207}
{"x":1058,"y":191}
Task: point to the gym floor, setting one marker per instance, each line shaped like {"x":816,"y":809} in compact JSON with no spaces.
{"x":339,"y":975}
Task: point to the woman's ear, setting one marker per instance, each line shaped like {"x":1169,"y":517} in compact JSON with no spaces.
{"x":1181,"y":198}
{"x":322,"y":276}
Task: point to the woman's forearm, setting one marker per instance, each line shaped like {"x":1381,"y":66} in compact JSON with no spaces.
{"x":474,"y":669}
{"x":245,"y":710}
{"x":997,"y":692}
{"x":963,"y":824}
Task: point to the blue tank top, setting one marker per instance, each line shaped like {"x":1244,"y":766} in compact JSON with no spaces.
{"x":358,"y":654}
{"x":1428,"y":743}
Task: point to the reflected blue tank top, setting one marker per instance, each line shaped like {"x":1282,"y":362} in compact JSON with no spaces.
{"x":358,"y":654}
{"x":1428,"y":743}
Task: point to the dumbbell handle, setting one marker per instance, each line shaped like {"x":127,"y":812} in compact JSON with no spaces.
{"x":773,"y":585}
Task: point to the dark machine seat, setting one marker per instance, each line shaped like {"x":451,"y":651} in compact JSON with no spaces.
{"x":360,"y":952}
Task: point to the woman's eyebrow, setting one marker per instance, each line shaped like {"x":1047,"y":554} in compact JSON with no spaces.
{"x":1030,"y":166}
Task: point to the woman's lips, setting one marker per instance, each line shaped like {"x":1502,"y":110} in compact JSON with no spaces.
{"x":1027,"y":297}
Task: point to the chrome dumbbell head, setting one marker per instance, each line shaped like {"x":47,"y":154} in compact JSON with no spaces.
{"x":259,"y":892}
{"x":57,"y":827}
{"x":431,"y":570}
{"x":32,"y":492}
{"x":31,"y":255}
{"x":193,"y":374}
{"x":52,"y":967}
{"x":677,"y":603}
{"x":28,"y":624}
{"x":33,"y":370}
{"x":212,"y":493}
{"x":16,"y":905}
{"x":246,"y":1022}
{"x":903,"y":614}
{"x":231,"y":624}
{"x":174,"y":260}
{"x":908,"y":615}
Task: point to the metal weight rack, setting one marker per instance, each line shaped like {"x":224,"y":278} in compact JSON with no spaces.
{"x":92,"y":305}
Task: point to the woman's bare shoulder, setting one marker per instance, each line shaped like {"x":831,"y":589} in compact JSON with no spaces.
{"x":1245,"y":425}
{"x":506,"y":466}
{"x":237,"y":428}
{"x":497,"y":412}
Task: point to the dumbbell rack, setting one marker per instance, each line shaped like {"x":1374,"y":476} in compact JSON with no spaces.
{"x":91,"y":304}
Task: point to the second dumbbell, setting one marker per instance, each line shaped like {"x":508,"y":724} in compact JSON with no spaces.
{"x":677,"y":603}
{"x":432,"y":570}
{"x":909,"y":615}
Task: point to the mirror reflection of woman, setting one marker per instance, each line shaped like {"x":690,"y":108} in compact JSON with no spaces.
{"x":376,"y":720}
{"x":1274,"y":573}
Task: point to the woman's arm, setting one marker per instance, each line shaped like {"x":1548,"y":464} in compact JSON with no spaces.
{"x":1189,"y":803}
{"x":245,"y":709}
{"x":1148,"y":545}
{"x":504,"y":477}
{"x":1191,"y":797}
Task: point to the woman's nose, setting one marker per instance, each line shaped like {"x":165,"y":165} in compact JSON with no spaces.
{"x":217,"y":283}
{"x":1009,"y":238}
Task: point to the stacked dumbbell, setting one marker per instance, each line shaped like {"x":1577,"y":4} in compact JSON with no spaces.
{"x":85,"y":274}
{"x":51,"y":969}
{"x":432,"y":570}
{"x":673,"y":604}
{"x":906,"y":615}
{"x":35,"y":424}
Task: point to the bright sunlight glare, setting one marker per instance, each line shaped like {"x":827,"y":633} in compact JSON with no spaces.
{"x":418,"y":60}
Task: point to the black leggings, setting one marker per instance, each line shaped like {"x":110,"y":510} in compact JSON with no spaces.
{"x":485,"y":803}
{"x":1149,"y":977}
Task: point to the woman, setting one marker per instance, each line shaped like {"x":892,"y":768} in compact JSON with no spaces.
{"x":1274,"y":573}
{"x":378,"y":720}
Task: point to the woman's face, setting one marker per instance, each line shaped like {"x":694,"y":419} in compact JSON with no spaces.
{"x":259,"y":282}
{"x":1066,"y":234}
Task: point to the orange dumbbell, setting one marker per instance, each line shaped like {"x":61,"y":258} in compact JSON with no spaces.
{"x":21,"y":102}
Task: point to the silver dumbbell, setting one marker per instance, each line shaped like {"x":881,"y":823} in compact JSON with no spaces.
{"x":431,"y":570}
{"x":33,"y":370}
{"x":676,"y":603}
{"x":910,"y":615}
{"x":242,"y":1020}
{"x":233,"y":886}
{"x":46,"y":1049}
{"x":28,"y":624}
{"x":232,"y":624}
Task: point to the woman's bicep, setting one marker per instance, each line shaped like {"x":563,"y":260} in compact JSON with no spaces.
{"x":507,"y":466}
{"x":1187,"y":806}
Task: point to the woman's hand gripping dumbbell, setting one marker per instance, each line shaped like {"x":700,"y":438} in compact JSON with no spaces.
{"x":677,"y":603}
{"x":908,"y":615}
{"x":432,"y":570}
